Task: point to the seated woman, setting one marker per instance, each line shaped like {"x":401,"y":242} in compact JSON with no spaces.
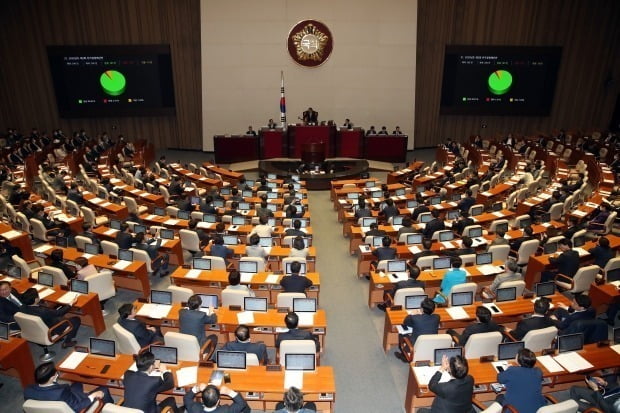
{"x":453,"y":277}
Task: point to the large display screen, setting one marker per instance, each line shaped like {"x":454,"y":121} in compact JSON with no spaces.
{"x":92,"y":81}
{"x":499,"y":80}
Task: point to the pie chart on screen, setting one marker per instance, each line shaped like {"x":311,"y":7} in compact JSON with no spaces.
{"x":113,"y":82}
{"x":500,"y":82}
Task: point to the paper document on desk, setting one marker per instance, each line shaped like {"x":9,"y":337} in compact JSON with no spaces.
{"x":11,"y":234}
{"x":68,"y":297}
{"x":187,"y":376}
{"x":402,"y":330}
{"x":498,"y":214}
{"x":293,"y":378}
{"x":205,"y":225}
{"x":192,"y":274}
{"x":448,"y":245}
{"x":150,"y":217}
{"x":457,"y":313}
{"x":476,"y":242}
{"x":305,"y":318}
{"x":414,"y":249}
{"x":171,"y":222}
{"x":245,"y":317}
{"x":581,"y":251}
{"x":73,"y":360}
{"x":43,"y":248}
{"x":105,"y":204}
{"x":489,"y":269}
{"x":272,"y":279}
{"x":96,"y":200}
{"x":616,"y":283}
{"x":8,"y":279}
{"x":121,"y":265}
{"x":592,"y":205}
{"x":615,"y":348}
{"x":580,"y":213}
{"x":424,"y":374}
{"x":573,"y":361}
{"x":246,"y":277}
{"x":45,"y":292}
{"x":154,"y":310}
{"x":111,"y":231}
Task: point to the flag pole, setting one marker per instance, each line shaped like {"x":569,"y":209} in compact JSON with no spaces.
{"x":282,"y":102}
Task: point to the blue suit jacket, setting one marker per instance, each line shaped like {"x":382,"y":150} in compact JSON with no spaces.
{"x":139,"y":330}
{"x":421,"y":324}
{"x":193,"y":322}
{"x":523,"y":388}
{"x":58,"y":392}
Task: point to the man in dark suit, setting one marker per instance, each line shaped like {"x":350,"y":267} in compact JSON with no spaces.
{"x":87,"y":231}
{"x":426,"y":244}
{"x":192,"y":321}
{"x":142,"y":386}
{"x":423,"y":321}
{"x":465,"y":203}
{"x":422,"y":207}
{"x":211,"y":400}
{"x":144,"y":335}
{"x":310,"y":116}
{"x":385,"y":252}
{"x":528,"y":234}
{"x":47,"y":389}
{"x":203,"y":237}
{"x":572,"y":227}
{"x":296,"y":230}
{"x":484,"y":324}
{"x":124,"y":239}
{"x":10,"y":302}
{"x":436,"y":224}
{"x":454,"y":395}
{"x":466,"y":248}
{"x":602,"y":253}
{"x":294,"y":403}
{"x":374,"y":231}
{"x":411,"y":282}
{"x":537,"y":321}
{"x":567,"y":263}
{"x":175,"y":188}
{"x":243,"y":343}
{"x":159,"y":263}
{"x":390,"y":210}
{"x":362,"y":211}
{"x":462,"y":223}
{"x":295,"y":283}
{"x":292,"y":321}
{"x":51,"y":317}
{"x":580,"y":309}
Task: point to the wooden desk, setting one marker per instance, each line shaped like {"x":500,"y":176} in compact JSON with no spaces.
{"x":512,"y":311}
{"x":19,"y":239}
{"x":214,"y":281}
{"x":603,"y":295}
{"x":262,"y":389}
{"x":404,"y":174}
{"x":200,"y":180}
{"x":485,"y":374}
{"x":16,"y":360}
{"x":102,"y":206}
{"x":142,"y":197}
{"x":228,"y":175}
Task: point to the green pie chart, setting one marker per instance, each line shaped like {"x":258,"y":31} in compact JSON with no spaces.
{"x":500,"y":82}
{"x":113,"y":82}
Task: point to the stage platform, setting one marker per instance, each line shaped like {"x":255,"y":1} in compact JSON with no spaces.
{"x":253,"y":165}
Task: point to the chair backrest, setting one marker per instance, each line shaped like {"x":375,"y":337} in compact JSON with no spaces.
{"x":72,"y":208}
{"x":518,"y":284}
{"x":468,"y":259}
{"x":102,"y":283}
{"x":401,"y":293}
{"x":81,"y":241}
{"x":567,"y":406}
{"x":494,"y":224}
{"x":109,"y":248}
{"x":499,"y":252}
{"x":538,"y":340}
{"x":46,"y":406}
{"x":172,"y":211}
{"x":217,"y":263}
{"x":187,"y":345}
{"x":296,"y":347}
{"x":584,"y":278}
{"x":425,"y":345}
{"x":556,"y":211}
{"x":426,"y":262}
{"x":37,"y":228}
{"x":33,"y":328}
{"x":131,"y":204}
{"x":251,"y":359}
{"x":59,"y":275}
{"x":89,"y":215}
{"x":510,"y":201}
{"x":115,"y":408}
{"x":21,"y":263}
{"x":234,"y":297}
{"x":141,"y":255}
{"x":180,"y":294}
{"x":593,"y":331}
{"x":612,"y":265}
{"x":285,"y":300}
{"x":288,"y":260}
{"x":609,"y":222}
{"x":464,"y":288}
{"x":260,"y":262}
{"x":526,"y":249}
{"x":577,"y":234}
{"x":482,"y":344}
{"x":127,"y":343}
{"x":189,"y":240}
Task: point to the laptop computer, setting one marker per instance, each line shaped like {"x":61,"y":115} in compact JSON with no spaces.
{"x":79,"y":286}
{"x":225,"y":191}
{"x":397,"y":220}
{"x":570,"y":342}
{"x":125,"y":255}
{"x":525,"y":223}
{"x":166,"y":233}
{"x":46,"y":279}
{"x":161,"y":212}
{"x":508,"y":351}
{"x":210,"y":218}
{"x":503,"y":227}
{"x":475,"y":232}
{"x":115,"y":224}
{"x":414,"y":239}
{"x":484,"y":258}
{"x":436,"y":200}
{"x":412,"y":204}
{"x":459,"y":299}
{"x":139,"y":228}
{"x":201,"y":263}
{"x":446,"y":236}
{"x":506,"y":294}
{"x":161,"y":297}
{"x":92,"y":249}
{"x":255,"y":304}
{"x":272,"y":195}
{"x":441,"y":263}
{"x":396,"y":266}
{"x":353,"y":195}
{"x":230,"y":239}
{"x":414,"y":302}
{"x":218,"y":203}
{"x":244,"y":206}
{"x":302,"y":271}
{"x":448,"y":352}
{"x":424,"y":218}
{"x":237,"y":220}
{"x":208,"y":300}
{"x":183,"y":215}
{"x":230,"y":360}
{"x":247,"y":193}
{"x":368,"y":220}
{"x":304,"y":305}
{"x":377,"y":242}
{"x":478,"y":210}
{"x":545,"y":289}
{"x":550,"y":247}
{"x":101,"y":347}
{"x":299,"y":362}
{"x":166,"y":355}
{"x":497,"y":206}
{"x":247,"y":269}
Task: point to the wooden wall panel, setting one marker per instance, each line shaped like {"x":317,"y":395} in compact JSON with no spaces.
{"x":588,"y":31}
{"x":28,"y":26}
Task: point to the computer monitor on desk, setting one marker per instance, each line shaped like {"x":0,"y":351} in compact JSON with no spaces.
{"x":102,"y":347}
{"x":208,"y":300}
{"x":300,"y":362}
{"x":125,"y":255}
{"x":14,"y":271}
{"x":570,"y":342}
{"x":79,"y":286}
{"x":506,"y":294}
{"x":550,"y":247}
{"x":255,"y":304}
{"x":46,"y":279}
{"x":4,"y":331}
{"x":545,"y":289}
{"x":161,"y":297}
{"x":459,"y":299}
{"x":230,"y":360}
{"x":414,"y":302}
{"x":414,"y":239}
{"x":446,"y":236}
{"x":166,"y":355}
{"x":210,"y":218}
{"x":201,"y":264}
{"x":441,"y":263}
{"x":484,"y":258}
{"x":508,"y":351}
{"x":448,"y":352}
{"x":396,"y":266}
{"x":92,"y":249}
{"x":183,"y":215}
{"x":475,"y":211}
{"x":304,"y":305}
{"x":302,"y":271}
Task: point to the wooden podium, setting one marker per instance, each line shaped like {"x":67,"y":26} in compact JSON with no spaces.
{"x":272,"y":143}
{"x":300,"y":135}
{"x":350,"y":143}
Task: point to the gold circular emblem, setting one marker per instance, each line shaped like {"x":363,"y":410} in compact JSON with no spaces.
{"x":310,"y":43}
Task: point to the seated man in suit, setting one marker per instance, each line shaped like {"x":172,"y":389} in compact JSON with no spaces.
{"x":567,"y":262}
{"x":142,"y":386}
{"x":50,"y":316}
{"x":48,"y":389}
{"x":383,"y":131}
{"x":389,"y":211}
{"x":211,"y":400}
{"x":422,"y":207}
{"x":250,"y":131}
{"x":499,"y":239}
{"x":310,"y":116}
{"x":426,"y":250}
{"x":292,"y":321}
{"x":10,"y":303}
{"x":295,"y":283}
{"x":263,"y":229}
{"x":218,"y":249}
{"x":434,"y":225}
{"x":385,"y":252}
{"x":407,"y":227}
{"x":234,"y":283}
{"x":57,"y":261}
{"x":580,"y":309}
{"x":294,"y":402}
{"x":263,"y":210}
{"x":362,"y":211}
{"x":454,"y":395}
{"x":203,"y":237}
{"x":537,"y":321}
{"x":483,"y":324}
{"x":602,"y":253}
{"x":374,"y":231}
{"x":523,"y":384}
{"x":144,"y":335}
{"x":412,"y":282}
{"x":463,"y":222}
{"x":371,"y":131}
{"x":465,"y":249}
{"x":422,"y":321}
{"x":193,"y":321}
{"x":465,"y":203}
{"x":243,"y":343}
{"x":598,"y":222}
{"x":397,"y":131}
{"x":528,"y":234}
{"x":124,"y":238}
{"x":296,"y":230}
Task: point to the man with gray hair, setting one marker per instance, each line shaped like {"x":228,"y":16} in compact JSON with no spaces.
{"x":512,"y":274}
